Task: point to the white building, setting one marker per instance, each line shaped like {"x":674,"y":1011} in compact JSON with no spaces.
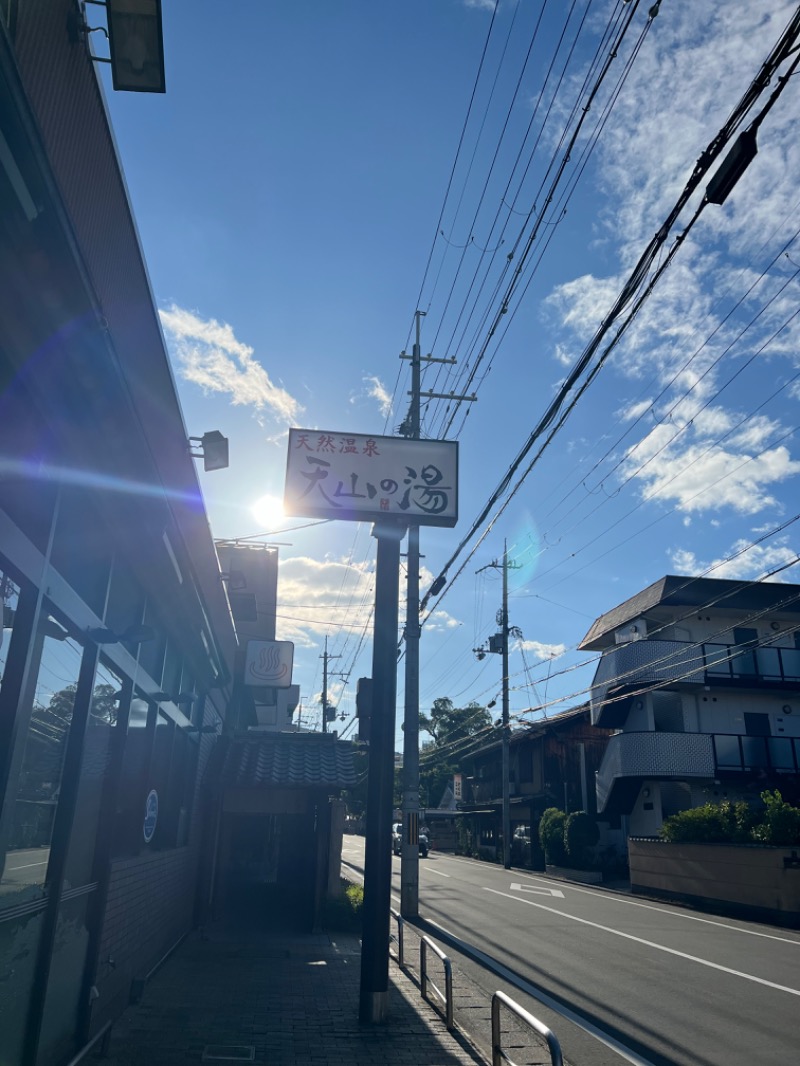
{"x":701,"y":678}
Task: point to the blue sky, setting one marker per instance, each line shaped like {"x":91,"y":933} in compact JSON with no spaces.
{"x":317,"y":171}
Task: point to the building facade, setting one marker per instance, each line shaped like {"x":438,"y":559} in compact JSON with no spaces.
{"x":552,"y":763}
{"x":700,"y":679}
{"x":118,"y":645}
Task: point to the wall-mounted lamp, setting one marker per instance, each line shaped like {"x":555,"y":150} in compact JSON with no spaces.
{"x":134,"y":634}
{"x":774,"y":625}
{"x":645,"y":792}
{"x":213,"y":450}
{"x":135,"y":41}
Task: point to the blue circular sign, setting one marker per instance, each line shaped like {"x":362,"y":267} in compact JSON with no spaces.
{"x":150,"y":816}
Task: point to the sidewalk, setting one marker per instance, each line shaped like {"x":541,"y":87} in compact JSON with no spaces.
{"x":277,"y":997}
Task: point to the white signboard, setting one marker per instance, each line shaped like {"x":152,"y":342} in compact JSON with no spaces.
{"x":364,"y":478}
{"x":269,"y":662}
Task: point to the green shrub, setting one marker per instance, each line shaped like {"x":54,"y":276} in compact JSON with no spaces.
{"x":551,"y":836}
{"x":781,"y":822}
{"x":736,"y":823}
{"x":580,"y":836}
{"x":343,"y":913}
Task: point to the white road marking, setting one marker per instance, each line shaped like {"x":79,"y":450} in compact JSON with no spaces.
{"x":650,"y":944}
{"x":431,"y":870}
{"x":28,"y":865}
{"x":681,"y":914}
{"x":537,"y":889}
{"x":542,"y":997}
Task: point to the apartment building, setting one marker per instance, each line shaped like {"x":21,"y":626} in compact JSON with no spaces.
{"x":700,"y":678}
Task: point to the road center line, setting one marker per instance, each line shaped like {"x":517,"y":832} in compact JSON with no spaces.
{"x":430,"y":870}
{"x":649,"y":943}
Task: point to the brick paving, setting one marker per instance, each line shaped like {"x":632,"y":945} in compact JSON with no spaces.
{"x":278,"y":997}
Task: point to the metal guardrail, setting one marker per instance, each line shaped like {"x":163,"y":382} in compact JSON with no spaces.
{"x":500,"y":999}
{"x":447,"y":996}
{"x":400,"y":925}
{"x":101,"y":1037}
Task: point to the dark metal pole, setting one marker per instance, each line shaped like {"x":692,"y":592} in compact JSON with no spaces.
{"x":506,"y":727}
{"x":409,"y":854}
{"x":374,"y":993}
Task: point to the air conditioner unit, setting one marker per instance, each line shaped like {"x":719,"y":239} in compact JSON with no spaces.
{"x":635,"y":630}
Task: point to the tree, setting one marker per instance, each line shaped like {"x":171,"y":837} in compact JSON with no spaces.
{"x":450,"y":729}
{"x":448,"y":724}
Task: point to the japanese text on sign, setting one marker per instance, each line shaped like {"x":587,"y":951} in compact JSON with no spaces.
{"x":361,"y":478}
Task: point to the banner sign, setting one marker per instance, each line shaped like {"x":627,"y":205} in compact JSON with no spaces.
{"x":362,"y":478}
{"x":269,"y":663}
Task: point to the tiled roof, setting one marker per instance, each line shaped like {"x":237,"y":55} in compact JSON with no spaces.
{"x":300,"y":760}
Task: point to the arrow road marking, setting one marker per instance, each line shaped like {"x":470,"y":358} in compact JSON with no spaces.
{"x":539,"y":891}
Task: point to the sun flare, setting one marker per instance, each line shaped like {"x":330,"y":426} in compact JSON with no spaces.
{"x":268,"y":513}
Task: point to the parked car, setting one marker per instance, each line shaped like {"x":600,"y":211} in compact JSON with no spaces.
{"x":397,"y":840}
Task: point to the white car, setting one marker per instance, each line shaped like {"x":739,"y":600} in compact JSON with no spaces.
{"x":397,"y":840}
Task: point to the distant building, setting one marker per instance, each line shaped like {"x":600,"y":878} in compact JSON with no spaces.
{"x":552,"y":763}
{"x":700,"y":679}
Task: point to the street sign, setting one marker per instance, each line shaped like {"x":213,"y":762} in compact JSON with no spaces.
{"x":269,"y":663}
{"x":362,"y":478}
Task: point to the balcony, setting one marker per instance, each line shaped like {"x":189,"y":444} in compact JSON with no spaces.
{"x":634,"y":668}
{"x":631,"y":758}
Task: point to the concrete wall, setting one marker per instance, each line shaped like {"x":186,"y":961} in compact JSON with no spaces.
{"x":751,"y":880}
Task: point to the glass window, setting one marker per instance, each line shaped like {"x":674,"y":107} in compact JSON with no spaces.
{"x":45,"y":717}
{"x":65,"y":989}
{"x":125,"y":601}
{"x":9,"y":599}
{"x":19,"y":943}
{"x":131,"y":790}
{"x":171,"y":679}
{"x":159,"y":779}
{"x":727,"y":750}
{"x":151,"y":653}
{"x":94,"y":785}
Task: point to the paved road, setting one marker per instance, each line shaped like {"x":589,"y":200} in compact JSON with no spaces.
{"x":666,"y":984}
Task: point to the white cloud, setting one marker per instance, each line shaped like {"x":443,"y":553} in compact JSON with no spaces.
{"x":540,"y":650}
{"x":209,"y":355}
{"x":319,"y":597}
{"x":483,"y":5}
{"x":439,"y":620}
{"x":698,"y":457}
{"x":748,"y":563}
{"x":738,"y":481}
{"x":376,"y":390}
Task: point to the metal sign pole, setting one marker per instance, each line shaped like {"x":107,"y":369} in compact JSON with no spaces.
{"x":374,"y":992}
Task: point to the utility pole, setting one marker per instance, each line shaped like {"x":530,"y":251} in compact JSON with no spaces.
{"x":409,"y":854}
{"x":498,"y":644}
{"x":325,"y":657}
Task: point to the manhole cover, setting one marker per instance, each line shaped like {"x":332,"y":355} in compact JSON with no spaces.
{"x":229,"y":1053}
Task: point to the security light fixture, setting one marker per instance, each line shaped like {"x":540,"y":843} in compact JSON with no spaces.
{"x":137,"y":45}
{"x":213,"y":450}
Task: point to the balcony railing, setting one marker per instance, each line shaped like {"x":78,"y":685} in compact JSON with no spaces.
{"x":681,"y":756}
{"x":651,"y":755}
{"x":646,"y":663}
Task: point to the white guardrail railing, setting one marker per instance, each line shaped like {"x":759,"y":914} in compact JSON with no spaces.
{"x":500,"y":999}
